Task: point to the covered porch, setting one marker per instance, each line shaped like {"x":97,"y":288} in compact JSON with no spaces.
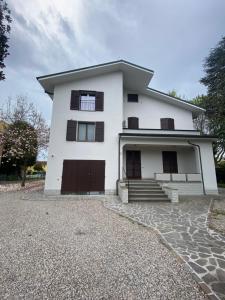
{"x":160,"y":162}
{"x":175,"y":163}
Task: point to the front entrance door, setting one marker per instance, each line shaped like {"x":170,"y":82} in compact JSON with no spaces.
{"x":169,"y":162}
{"x":133,"y":164}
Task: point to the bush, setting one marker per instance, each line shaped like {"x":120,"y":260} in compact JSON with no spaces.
{"x":220,"y":174}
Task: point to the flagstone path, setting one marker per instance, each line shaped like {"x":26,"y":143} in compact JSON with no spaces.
{"x":183,"y":227}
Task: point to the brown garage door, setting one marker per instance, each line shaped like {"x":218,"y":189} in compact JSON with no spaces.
{"x":83,"y":176}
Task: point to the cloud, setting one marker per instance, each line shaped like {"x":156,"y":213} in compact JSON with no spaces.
{"x":170,"y":37}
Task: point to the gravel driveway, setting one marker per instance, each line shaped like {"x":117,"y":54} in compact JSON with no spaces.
{"x":77,"y":249}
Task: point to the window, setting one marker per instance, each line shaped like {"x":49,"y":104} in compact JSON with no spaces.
{"x":87,"y":101}
{"x":133,"y":123}
{"x":167,"y":123}
{"x":86,"y":132}
{"x":132,"y":97}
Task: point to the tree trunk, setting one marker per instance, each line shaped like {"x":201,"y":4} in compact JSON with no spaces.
{"x":23,"y":175}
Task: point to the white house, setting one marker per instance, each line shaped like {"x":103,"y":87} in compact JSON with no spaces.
{"x":109,"y":127}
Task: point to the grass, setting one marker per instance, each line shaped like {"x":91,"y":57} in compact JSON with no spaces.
{"x":218,"y":212}
{"x":221,"y":185}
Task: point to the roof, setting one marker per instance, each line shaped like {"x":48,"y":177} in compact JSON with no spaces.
{"x":135,"y":78}
{"x":174,"y":100}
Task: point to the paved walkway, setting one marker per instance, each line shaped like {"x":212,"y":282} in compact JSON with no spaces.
{"x":183,"y":227}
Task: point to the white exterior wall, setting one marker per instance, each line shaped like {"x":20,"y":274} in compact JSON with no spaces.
{"x":186,"y":161}
{"x":186,"y":188}
{"x":150,"y":110}
{"x":60,"y":149}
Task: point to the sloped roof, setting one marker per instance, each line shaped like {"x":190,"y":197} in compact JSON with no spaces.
{"x":135,"y":78}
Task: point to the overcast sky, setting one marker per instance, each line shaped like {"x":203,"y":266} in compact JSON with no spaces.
{"x":172,"y":37}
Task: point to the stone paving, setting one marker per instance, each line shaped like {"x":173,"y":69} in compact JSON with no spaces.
{"x":184,"y":228}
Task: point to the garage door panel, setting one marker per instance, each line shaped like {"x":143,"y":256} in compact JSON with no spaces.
{"x":83,"y":176}
{"x":98,"y":171}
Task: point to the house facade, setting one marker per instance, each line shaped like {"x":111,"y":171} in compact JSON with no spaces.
{"x":109,"y":127}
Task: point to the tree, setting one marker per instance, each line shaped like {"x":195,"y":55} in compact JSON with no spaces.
{"x":38,"y":167}
{"x":174,"y":93}
{"x":214,"y":80}
{"x":20,"y":146}
{"x":26,"y":135}
{"x":5,"y":20}
{"x":200,"y":121}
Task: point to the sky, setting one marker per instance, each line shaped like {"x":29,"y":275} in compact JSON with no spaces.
{"x":171,"y":37}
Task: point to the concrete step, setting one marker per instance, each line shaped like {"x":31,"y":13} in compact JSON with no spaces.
{"x":147,"y":188}
{"x":149,"y":199}
{"x":143,"y":185}
{"x":131,"y":187}
{"x":140,"y":193}
{"x":140,"y":181}
{"x":147,"y":195}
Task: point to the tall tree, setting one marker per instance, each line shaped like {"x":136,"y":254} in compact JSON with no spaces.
{"x":25,"y":136}
{"x":20,"y":146}
{"x":214,"y":80}
{"x":5,"y":20}
{"x":201,"y":120}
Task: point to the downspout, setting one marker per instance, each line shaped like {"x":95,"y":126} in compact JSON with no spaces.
{"x":200,"y":159}
{"x":117,"y":182}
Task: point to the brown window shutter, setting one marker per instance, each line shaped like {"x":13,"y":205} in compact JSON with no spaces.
{"x":99,"y":132}
{"x":75,"y":100}
{"x":167,"y":123}
{"x":171,"y":124}
{"x":99,"y":101}
{"x":133,"y":123}
{"x":71,"y":130}
{"x":163,"y":122}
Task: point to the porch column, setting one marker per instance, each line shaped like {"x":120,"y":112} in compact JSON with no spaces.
{"x":208,"y":167}
{"x":121,"y":160}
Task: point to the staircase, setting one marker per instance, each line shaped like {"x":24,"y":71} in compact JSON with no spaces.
{"x":145,"y":190}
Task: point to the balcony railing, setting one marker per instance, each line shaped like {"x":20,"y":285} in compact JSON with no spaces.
{"x":181,"y":177}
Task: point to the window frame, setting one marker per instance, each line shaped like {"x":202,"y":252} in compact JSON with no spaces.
{"x":85,"y":93}
{"x":86,"y":131}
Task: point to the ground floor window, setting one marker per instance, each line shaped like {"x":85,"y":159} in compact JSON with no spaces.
{"x":86,"y":132}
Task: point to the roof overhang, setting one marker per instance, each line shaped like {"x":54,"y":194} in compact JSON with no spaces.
{"x":134,"y":77}
{"x":211,"y":138}
{"x":174,"y":100}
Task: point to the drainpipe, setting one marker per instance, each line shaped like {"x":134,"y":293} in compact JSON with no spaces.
{"x":117,"y":182}
{"x":200,"y":158}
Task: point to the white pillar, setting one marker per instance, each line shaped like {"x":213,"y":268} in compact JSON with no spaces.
{"x":121,"y":160}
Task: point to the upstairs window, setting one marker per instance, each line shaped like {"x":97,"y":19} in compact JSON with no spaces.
{"x":87,"y":101}
{"x":133,"y":123}
{"x":132,"y":97}
{"x":86,"y":132}
{"x":167,"y":123}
